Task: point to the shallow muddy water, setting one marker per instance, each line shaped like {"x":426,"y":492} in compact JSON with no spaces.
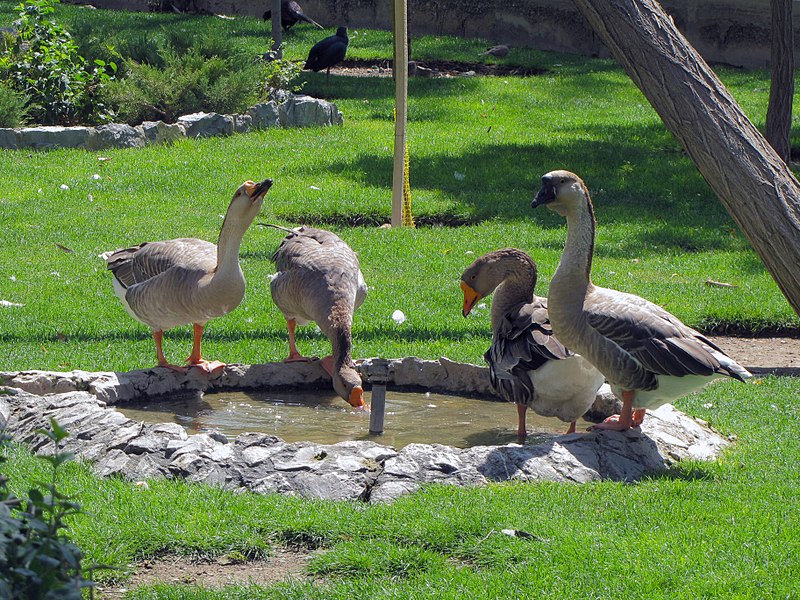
{"x":322,"y":417}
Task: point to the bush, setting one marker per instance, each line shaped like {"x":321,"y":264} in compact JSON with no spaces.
{"x":279,"y":78}
{"x":36,"y":558}
{"x":43,"y":63}
{"x":13,"y":106}
{"x":188,"y":83}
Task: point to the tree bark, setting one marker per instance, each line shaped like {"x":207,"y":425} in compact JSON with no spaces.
{"x":779,"y":111}
{"x":750,"y":179}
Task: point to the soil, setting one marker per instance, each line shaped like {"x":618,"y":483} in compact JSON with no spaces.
{"x":284,"y":565}
{"x":762,"y":355}
{"x":430,"y":68}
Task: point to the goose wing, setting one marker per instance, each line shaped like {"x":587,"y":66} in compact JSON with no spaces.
{"x":522,"y":342}
{"x":655,"y":338}
{"x":151,"y":259}
{"x":317,"y":271}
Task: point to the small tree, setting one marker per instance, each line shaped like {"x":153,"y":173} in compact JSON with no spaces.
{"x":778,"y":130}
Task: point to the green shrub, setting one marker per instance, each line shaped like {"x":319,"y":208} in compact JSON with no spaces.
{"x":188,"y":83}
{"x":42,"y":62}
{"x":13,"y":106}
{"x":279,"y":78}
{"x":36,"y":558}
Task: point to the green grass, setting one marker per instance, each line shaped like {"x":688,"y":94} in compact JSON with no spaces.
{"x":725,"y":529}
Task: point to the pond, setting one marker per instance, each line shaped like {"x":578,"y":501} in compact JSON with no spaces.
{"x":322,"y":417}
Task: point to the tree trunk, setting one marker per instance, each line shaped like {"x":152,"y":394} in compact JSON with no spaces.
{"x":753,"y":183}
{"x":779,"y":112}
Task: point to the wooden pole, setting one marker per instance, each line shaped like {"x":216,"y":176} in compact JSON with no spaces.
{"x":277,"y":32}
{"x":400,"y":70}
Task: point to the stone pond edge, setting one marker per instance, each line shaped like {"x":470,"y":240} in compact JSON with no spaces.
{"x":83,"y":403}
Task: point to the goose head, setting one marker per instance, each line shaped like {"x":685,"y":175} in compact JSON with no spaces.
{"x":247,"y":201}
{"x":483,"y":276}
{"x":562,"y":192}
{"x":347,"y":383}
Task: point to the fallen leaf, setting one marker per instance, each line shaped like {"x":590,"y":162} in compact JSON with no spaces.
{"x":713,"y":283}
{"x":64,"y":249}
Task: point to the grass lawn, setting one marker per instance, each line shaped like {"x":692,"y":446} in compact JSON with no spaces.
{"x":478,"y":147}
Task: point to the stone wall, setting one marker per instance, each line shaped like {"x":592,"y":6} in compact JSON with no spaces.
{"x":735,"y":32}
{"x":297,"y":111}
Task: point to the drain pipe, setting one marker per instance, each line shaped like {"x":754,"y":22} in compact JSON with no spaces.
{"x":377,"y":372}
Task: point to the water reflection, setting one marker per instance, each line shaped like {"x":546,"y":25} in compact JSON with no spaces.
{"x":322,"y":417}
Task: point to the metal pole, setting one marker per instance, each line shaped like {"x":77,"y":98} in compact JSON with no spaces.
{"x":400,"y":70}
{"x":376,"y":371}
{"x":277,"y":32}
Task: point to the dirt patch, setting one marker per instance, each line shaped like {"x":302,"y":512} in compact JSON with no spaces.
{"x":431,"y":68}
{"x":778,"y":355}
{"x":284,"y":565}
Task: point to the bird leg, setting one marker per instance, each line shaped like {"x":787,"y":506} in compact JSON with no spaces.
{"x":195,"y":358}
{"x":327,"y":364}
{"x":522,"y":431}
{"x":294,"y":355}
{"x":158,"y":337}
{"x":627,"y":418}
{"x":572,"y":427}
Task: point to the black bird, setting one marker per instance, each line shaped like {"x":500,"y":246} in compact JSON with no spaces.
{"x":328,"y":52}
{"x":291,"y":14}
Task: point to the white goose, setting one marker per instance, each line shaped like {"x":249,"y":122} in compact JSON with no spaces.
{"x":527,"y":364}
{"x":319,"y":279}
{"x":648,"y":355}
{"x":175,"y":282}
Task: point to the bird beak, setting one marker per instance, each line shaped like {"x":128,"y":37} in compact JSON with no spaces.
{"x":257,"y":190}
{"x":356,"y":399}
{"x":471,"y":297}
{"x":546,"y":194}
{"x":261,"y":188}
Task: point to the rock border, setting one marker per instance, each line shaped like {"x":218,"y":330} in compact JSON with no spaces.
{"x":297,"y":111}
{"x":82,"y":402}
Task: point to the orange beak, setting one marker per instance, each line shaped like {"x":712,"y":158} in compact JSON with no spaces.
{"x":356,"y":398}
{"x":471,"y":297}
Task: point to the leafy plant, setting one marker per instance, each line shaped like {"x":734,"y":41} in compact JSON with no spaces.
{"x":280,"y":78}
{"x":43,"y":62}
{"x":36,"y":558}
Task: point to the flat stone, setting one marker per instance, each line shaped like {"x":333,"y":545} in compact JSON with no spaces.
{"x":9,"y":138}
{"x":54,"y":137}
{"x":264,"y":115}
{"x":306,"y":111}
{"x":116,"y":135}
{"x":158,"y":132}
{"x":202,"y":124}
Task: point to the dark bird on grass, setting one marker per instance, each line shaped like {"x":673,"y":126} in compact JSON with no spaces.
{"x":291,"y":14}
{"x":328,"y":52}
{"x":496,"y":51}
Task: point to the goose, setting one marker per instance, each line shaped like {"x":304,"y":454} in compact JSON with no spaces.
{"x":648,"y":356}
{"x":527,"y":364}
{"x":319,"y":279}
{"x":175,"y":282}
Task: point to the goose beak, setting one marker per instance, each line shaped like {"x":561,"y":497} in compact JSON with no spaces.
{"x":261,"y":188}
{"x":546,"y":194}
{"x":471,"y":297}
{"x":356,"y":399}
